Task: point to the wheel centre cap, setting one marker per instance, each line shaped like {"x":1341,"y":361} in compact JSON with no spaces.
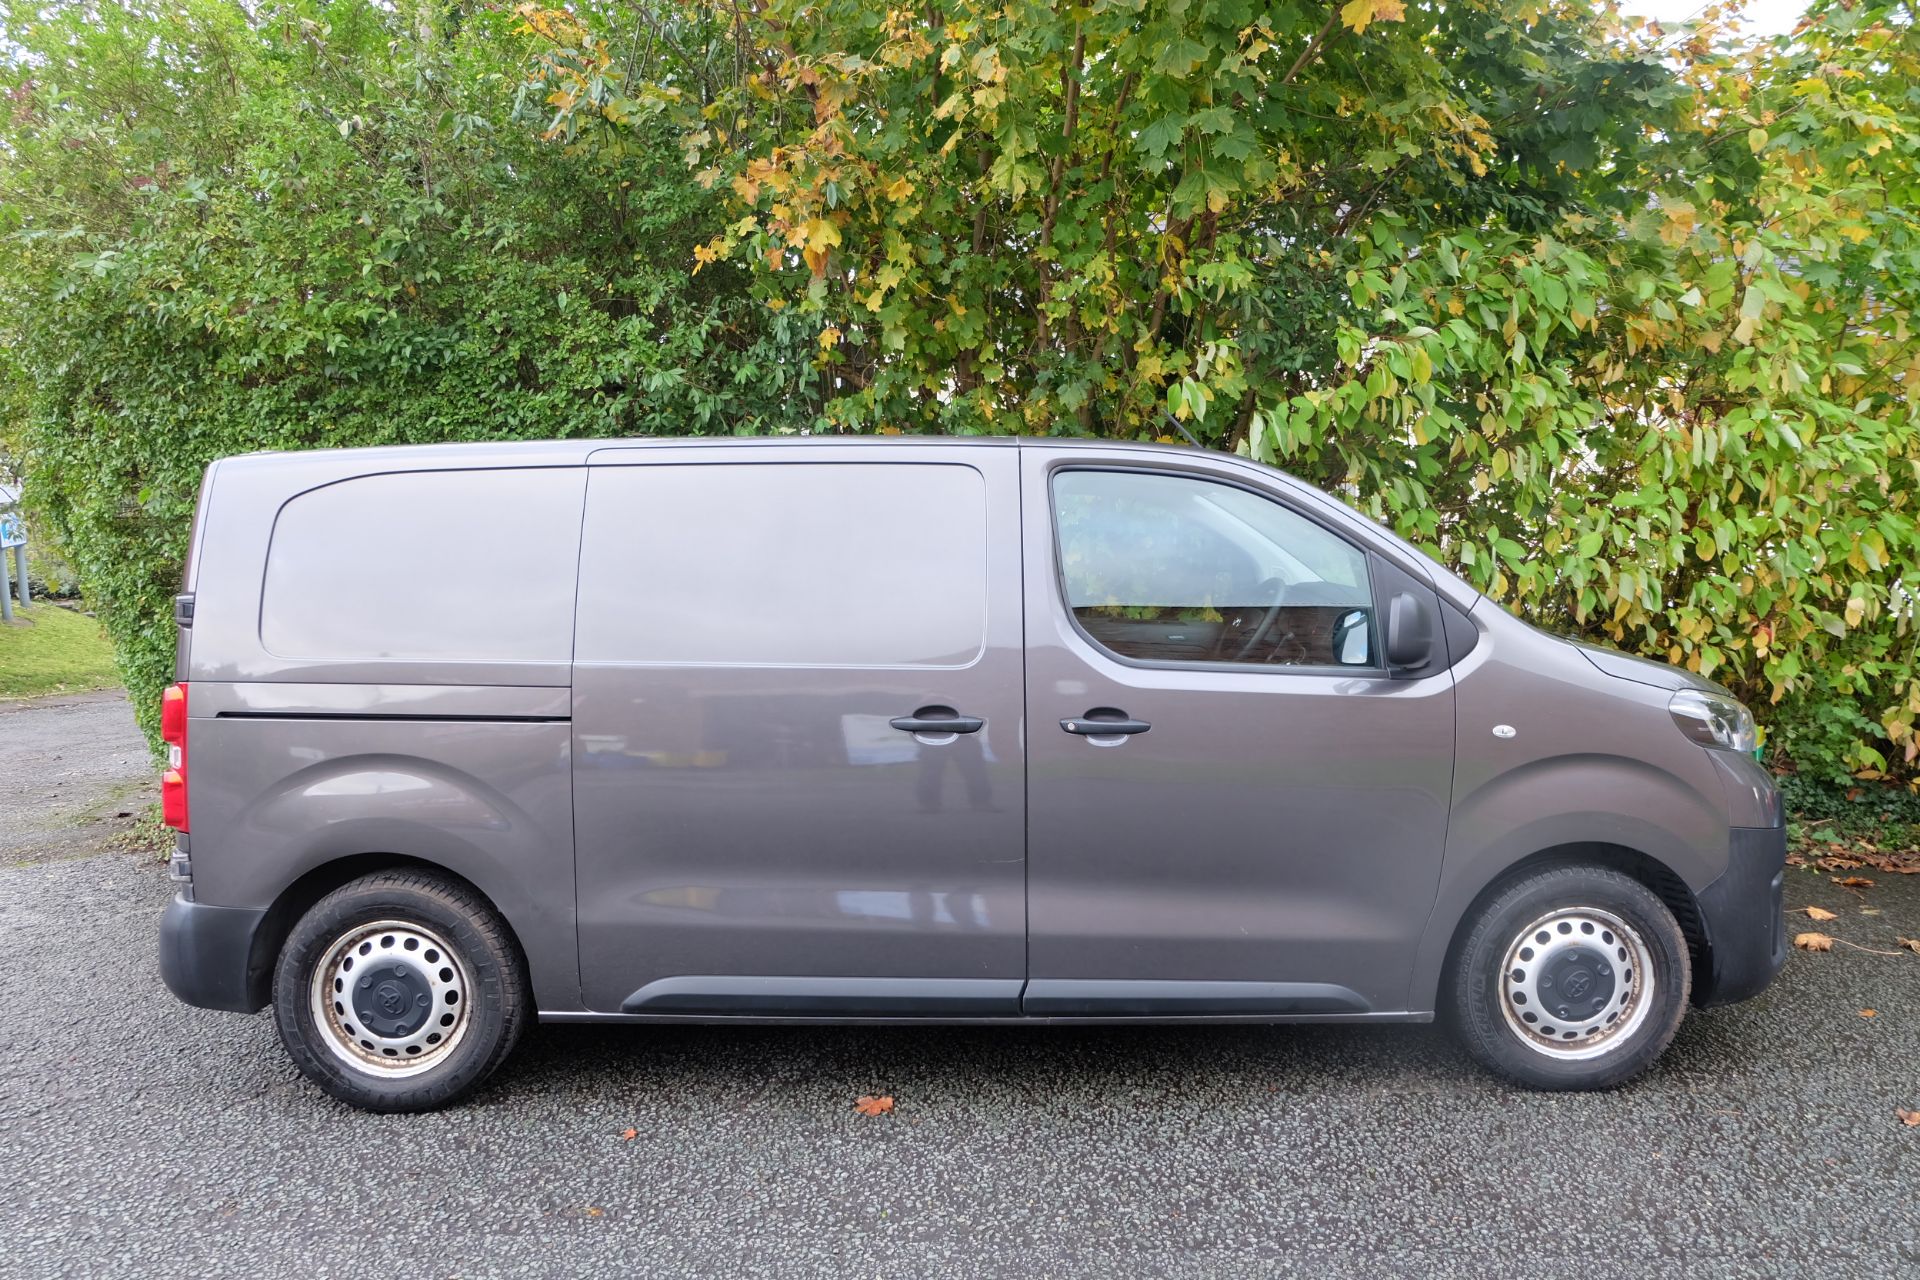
{"x":392,"y":1000}
{"x":1579,"y":979}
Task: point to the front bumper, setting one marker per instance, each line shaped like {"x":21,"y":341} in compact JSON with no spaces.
{"x":1744,"y":919}
{"x":208,"y":955}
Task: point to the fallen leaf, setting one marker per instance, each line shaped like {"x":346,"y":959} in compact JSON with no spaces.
{"x":1853,"y":882}
{"x":1911,"y":1119}
{"x":628,"y":1135}
{"x":1911,"y":944}
{"x":1813,"y":942}
{"x":1819,"y":913}
{"x":869,"y":1105}
{"x":594,"y":1211}
{"x":1869,"y":1013}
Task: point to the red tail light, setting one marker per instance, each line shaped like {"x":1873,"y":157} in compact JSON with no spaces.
{"x":173,"y":731}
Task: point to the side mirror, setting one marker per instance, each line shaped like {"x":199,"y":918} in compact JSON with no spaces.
{"x":1409,"y":632}
{"x":1352,"y":638}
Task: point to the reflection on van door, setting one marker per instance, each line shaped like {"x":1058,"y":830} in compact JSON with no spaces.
{"x":799,"y":783}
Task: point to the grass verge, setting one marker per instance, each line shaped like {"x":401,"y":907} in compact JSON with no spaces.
{"x":49,"y":649}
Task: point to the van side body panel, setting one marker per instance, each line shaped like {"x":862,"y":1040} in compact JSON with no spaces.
{"x":486,"y":796}
{"x":247,"y":498}
{"x":1272,"y":843}
{"x":755,"y":834}
{"x":1588,"y":762}
{"x":466,"y":764}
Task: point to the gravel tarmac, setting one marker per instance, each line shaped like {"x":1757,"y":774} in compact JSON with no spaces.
{"x":139,"y":1137}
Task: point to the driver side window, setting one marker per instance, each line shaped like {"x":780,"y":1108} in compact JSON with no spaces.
{"x":1179,"y":569}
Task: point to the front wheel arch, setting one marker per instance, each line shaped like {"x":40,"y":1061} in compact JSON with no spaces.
{"x":1650,"y":872}
{"x":1504,"y":971}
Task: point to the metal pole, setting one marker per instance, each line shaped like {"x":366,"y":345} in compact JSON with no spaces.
{"x":20,"y":567}
{"x":6,"y":592}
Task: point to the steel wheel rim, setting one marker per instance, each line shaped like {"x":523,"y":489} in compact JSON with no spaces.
{"x":391,"y":999}
{"x":1577,"y":983}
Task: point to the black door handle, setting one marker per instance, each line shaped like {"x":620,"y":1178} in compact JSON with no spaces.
{"x":1092,"y":725}
{"x":937,"y":720}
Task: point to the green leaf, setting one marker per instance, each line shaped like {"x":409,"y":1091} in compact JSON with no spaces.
{"x":1212,"y":120}
{"x":1162,"y":134}
{"x":1179,"y":56}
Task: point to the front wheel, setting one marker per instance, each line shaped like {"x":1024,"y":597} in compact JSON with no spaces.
{"x":1571,"y":978}
{"x":399,"y":992}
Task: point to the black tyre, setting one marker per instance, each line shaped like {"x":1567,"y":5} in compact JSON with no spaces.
{"x":1573,"y":977}
{"x":400,"y":991}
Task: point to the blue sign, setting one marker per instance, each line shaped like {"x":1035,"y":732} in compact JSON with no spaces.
{"x":13,"y":532}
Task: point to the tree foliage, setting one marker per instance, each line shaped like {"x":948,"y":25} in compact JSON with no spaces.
{"x":1616,"y":321}
{"x":327,"y":224}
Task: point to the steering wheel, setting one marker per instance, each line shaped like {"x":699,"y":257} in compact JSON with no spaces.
{"x":1279,"y":591}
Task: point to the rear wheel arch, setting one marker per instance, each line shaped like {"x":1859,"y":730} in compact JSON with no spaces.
{"x":317,"y":882}
{"x":401,"y":990}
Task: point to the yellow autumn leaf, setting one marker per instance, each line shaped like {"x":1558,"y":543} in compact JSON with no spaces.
{"x":1357,"y":14}
{"x":821,"y":235}
{"x":1818,"y":913}
{"x":1681,"y":218}
{"x":1813,"y":942}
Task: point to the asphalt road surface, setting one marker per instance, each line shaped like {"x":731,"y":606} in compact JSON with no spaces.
{"x":139,"y":1137}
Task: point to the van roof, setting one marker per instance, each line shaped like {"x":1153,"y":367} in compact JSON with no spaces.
{"x":575,"y":452}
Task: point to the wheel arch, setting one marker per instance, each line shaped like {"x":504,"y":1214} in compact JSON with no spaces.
{"x":1653,"y":874}
{"x":317,"y":882}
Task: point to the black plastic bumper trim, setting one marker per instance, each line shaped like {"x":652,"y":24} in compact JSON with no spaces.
{"x":1096,"y":997}
{"x":828,"y":997}
{"x":207,"y":956}
{"x":1745,"y":918}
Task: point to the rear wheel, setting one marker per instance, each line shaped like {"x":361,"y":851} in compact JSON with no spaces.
{"x":1571,"y":978}
{"x":399,"y":992}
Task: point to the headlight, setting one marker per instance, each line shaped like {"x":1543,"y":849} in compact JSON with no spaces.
{"x":1714,"y":720}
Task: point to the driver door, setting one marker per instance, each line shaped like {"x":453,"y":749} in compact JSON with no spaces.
{"x":1232,"y":806}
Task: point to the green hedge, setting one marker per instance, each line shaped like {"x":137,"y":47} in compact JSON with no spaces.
{"x":1616,"y":322}
{"x":324,"y":228}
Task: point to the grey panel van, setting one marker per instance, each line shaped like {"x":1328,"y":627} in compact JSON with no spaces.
{"x":916,"y":731}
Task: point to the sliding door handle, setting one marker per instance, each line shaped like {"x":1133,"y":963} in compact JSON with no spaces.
{"x":1102,"y":721}
{"x":937,"y":720}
